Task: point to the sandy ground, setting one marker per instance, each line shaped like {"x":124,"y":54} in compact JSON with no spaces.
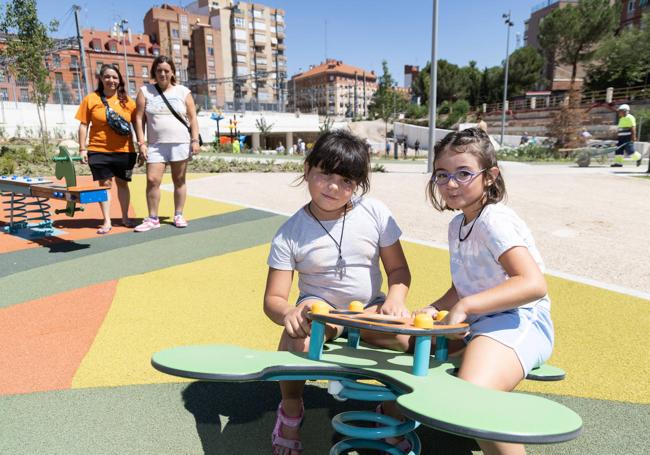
{"x":589,"y":223}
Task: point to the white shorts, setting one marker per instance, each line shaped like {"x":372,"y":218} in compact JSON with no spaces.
{"x":527,"y":331}
{"x":165,"y":153}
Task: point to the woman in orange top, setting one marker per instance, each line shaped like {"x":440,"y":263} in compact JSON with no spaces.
{"x":108,"y":153}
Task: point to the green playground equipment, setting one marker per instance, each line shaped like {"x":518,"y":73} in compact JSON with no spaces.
{"x":424,"y":386}
{"x":27,"y":198}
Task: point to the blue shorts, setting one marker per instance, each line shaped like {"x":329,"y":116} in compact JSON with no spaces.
{"x":527,"y":331}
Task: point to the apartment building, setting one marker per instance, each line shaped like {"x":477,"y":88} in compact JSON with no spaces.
{"x":232,"y":55}
{"x":132,"y":53}
{"x":560,"y":75}
{"x":333,"y":88}
{"x":632,"y":11}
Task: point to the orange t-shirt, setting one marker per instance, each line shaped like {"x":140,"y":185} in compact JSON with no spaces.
{"x":102,"y":137}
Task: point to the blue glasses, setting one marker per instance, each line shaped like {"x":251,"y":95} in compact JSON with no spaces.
{"x":462,"y":177}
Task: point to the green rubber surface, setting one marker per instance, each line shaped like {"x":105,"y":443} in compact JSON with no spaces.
{"x":438,"y":400}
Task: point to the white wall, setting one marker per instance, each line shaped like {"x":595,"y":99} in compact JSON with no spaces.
{"x":62,"y":124}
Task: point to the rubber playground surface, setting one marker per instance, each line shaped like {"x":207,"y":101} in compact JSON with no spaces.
{"x":81,"y":315}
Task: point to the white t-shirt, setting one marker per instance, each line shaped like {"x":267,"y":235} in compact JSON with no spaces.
{"x":301,"y":244}
{"x":475,"y":265}
{"x":162,"y":126}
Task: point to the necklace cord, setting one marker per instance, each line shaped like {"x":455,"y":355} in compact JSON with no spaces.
{"x":338,"y":244}
{"x":460,"y":228}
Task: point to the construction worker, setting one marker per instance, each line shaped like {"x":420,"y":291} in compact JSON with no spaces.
{"x":626,"y":137}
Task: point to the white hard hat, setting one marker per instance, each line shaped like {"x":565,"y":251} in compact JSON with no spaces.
{"x":624,"y":107}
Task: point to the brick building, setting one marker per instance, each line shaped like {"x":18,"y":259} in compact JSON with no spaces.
{"x":333,"y":88}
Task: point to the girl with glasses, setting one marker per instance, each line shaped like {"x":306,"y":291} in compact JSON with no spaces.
{"x":498,"y":286}
{"x":334,"y":243}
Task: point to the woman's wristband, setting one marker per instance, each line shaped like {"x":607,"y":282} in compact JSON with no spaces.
{"x":194,"y":141}
{"x":140,"y":144}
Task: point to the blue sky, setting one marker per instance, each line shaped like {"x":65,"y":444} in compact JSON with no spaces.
{"x":359,"y":32}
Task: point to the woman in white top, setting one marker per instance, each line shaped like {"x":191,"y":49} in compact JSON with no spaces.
{"x":168,"y":140}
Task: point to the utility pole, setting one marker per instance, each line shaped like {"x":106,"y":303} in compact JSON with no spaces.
{"x":365,"y":112}
{"x":509,"y":24}
{"x":355,"y":95}
{"x":82,"y":52}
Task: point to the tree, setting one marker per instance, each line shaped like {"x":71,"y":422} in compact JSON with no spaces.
{"x":264,"y":128}
{"x":525,"y":70}
{"x":569,"y":35}
{"x":623,"y":60}
{"x":386,"y":100}
{"x":491,"y":90}
{"x":472,"y":76}
{"x":27,"y":44}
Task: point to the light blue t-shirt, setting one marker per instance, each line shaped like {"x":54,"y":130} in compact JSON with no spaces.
{"x":301,"y":244}
{"x":475,"y":265}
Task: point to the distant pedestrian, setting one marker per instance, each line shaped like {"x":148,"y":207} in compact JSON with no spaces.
{"x":294,"y":149}
{"x":416,"y":147}
{"x":626,"y":137}
{"x":387,"y":149}
{"x":280,"y":149}
{"x":302,"y":147}
{"x":524,"y":139}
{"x":405,"y":150}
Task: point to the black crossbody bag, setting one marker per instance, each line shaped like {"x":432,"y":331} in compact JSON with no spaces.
{"x":117,"y":123}
{"x":176,"y":114}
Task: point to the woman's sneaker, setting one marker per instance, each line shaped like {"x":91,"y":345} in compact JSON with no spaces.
{"x":179,"y":221}
{"x":147,"y":225}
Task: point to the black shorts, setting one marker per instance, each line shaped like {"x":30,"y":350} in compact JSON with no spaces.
{"x":106,"y":165}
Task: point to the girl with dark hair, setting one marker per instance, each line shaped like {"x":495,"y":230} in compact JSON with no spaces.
{"x":172,"y":137}
{"x":335,"y":243}
{"x":498,"y":286}
{"x":108,"y":153}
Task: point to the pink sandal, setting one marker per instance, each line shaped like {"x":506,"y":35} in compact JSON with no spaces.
{"x":281,"y":444}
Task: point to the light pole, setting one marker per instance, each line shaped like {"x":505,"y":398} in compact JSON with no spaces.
{"x":433,"y":87}
{"x":124,"y":31}
{"x":509,"y":24}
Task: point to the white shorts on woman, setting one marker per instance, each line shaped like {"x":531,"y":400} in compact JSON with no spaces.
{"x":168,"y":152}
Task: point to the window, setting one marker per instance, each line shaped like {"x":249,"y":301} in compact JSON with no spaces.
{"x":130,"y":71}
{"x":96,"y":45}
{"x":184,"y":25}
{"x":240,"y":35}
{"x":241,"y":47}
{"x":75,"y":80}
{"x":24,"y":95}
{"x":74,"y":62}
{"x":240,"y":22}
{"x":141,"y":50}
{"x":131,"y":87}
{"x":56,"y":61}
{"x":98,"y":66}
{"x":144,"y":71}
{"x":260,"y":25}
{"x":175,"y":34}
{"x":2,"y":76}
{"x":279,"y":29}
{"x":211,"y":51}
{"x":257,"y":13}
{"x":176,"y":48}
{"x":208,"y":39}
{"x":279,"y":19}
{"x":260,"y":39}
{"x":4,"y":94}
{"x":155,"y":51}
{"x":112,"y":46}
{"x":241,"y":59}
{"x":630,"y":6}
{"x":58,"y":79}
{"x":211,"y":63}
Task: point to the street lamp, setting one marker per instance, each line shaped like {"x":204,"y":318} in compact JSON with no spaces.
{"x":124,"y":31}
{"x":509,"y":24}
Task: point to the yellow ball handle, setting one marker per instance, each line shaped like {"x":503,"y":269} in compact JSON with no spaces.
{"x":423,"y":321}
{"x":356,"y":307}
{"x":441,"y":315}
{"x":320,"y":308}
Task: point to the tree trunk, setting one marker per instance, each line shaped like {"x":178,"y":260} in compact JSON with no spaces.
{"x":43,"y":130}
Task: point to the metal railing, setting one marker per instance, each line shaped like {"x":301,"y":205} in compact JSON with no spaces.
{"x":589,"y":98}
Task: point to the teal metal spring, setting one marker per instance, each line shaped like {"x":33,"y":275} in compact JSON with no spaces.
{"x":21,"y":210}
{"x":382,"y":427}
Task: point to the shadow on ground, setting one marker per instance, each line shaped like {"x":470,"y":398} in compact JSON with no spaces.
{"x":239,"y":418}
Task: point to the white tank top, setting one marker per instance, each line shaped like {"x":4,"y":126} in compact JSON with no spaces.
{"x":162,"y":126}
